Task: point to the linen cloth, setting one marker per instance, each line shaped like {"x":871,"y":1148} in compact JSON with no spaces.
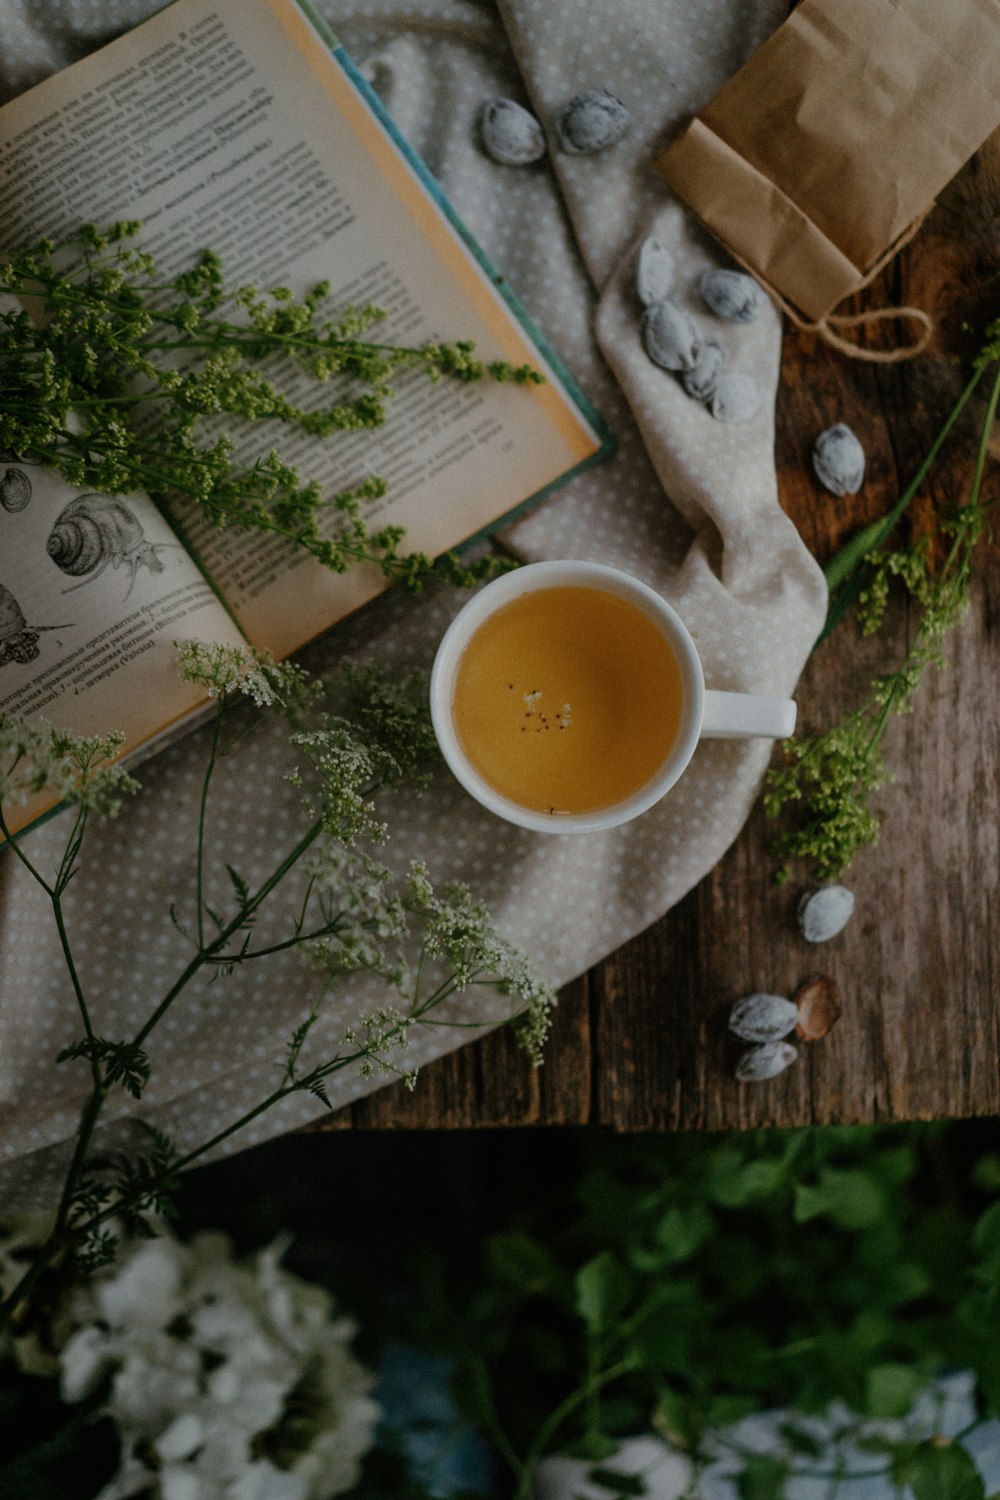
{"x":688,"y":504}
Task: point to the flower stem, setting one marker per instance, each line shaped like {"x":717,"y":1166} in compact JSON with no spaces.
{"x":845,"y":571}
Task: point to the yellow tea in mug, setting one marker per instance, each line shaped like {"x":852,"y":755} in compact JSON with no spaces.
{"x":567,"y":699}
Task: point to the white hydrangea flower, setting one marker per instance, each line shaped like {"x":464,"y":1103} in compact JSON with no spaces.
{"x":203,"y":1356}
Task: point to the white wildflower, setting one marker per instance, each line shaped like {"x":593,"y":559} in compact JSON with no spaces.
{"x":224,"y":671}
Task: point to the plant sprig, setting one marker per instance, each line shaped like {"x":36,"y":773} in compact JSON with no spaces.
{"x":115,"y":377}
{"x":826,"y":782}
{"x":353,"y":917}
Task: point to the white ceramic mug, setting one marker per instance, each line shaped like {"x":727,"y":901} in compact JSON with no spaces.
{"x":704,"y":713}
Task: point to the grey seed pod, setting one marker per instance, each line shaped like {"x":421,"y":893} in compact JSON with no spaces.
{"x":654,"y":274}
{"x":703,"y":380}
{"x":823,"y":913}
{"x":670,"y":337}
{"x":510,"y":134}
{"x":763,"y":1018}
{"x":766,"y":1061}
{"x":733,"y":295}
{"x":839,"y":460}
{"x":592,"y":122}
{"x":15,"y":490}
{"x":736,"y":398}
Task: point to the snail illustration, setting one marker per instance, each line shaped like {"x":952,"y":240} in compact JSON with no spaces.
{"x":18,"y":639}
{"x":15,"y":490}
{"x":95,"y":530}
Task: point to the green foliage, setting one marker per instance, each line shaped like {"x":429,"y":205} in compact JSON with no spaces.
{"x":602,"y":1292}
{"x":680,"y":1284}
{"x":944,"y":1472}
{"x":123,"y":1062}
{"x":121,"y":383}
{"x":824,"y":786}
{"x":763,"y":1478}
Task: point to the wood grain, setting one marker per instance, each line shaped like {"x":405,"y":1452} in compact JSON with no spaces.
{"x":641,"y":1041}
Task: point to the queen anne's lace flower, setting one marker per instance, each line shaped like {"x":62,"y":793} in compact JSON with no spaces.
{"x":204,"y":1359}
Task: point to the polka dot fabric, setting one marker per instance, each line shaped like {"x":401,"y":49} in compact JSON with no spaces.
{"x":687,"y":503}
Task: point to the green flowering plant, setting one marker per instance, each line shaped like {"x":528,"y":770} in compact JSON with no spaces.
{"x":118,"y":379}
{"x":823,"y":787}
{"x":352,"y":915}
{"x":773,"y":1313}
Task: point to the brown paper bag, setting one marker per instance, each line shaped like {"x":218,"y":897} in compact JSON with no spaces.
{"x":823,"y":154}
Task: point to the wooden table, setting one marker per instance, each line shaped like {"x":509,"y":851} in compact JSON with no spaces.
{"x":640,"y":1042}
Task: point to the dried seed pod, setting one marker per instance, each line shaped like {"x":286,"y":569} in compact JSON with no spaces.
{"x":670,"y":337}
{"x":702,"y":382}
{"x":819,"y":1004}
{"x":592,"y":121}
{"x":763,"y":1018}
{"x":767,"y":1061}
{"x":510,"y":134}
{"x":822,"y":914}
{"x":733,"y":295}
{"x":654,"y":272}
{"x":839,"y":460}
{"x":15,"y":490}
{"x":736,"y":398}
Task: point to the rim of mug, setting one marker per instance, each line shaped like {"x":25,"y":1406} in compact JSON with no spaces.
{"x":529,"y":578}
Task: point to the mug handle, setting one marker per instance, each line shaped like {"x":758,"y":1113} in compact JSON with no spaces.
{"x":733,"y":716}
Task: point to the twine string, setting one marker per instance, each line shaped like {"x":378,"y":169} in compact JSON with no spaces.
{"x":826,"y":328}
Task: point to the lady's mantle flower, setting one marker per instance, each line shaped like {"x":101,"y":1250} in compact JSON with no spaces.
{"x":226,"y":1381}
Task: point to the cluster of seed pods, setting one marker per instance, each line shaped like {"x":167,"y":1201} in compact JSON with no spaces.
{"x":768,"y":1021}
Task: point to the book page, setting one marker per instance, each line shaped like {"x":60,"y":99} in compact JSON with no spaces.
{"x":94,"y":591}
{"x":230,"y":124}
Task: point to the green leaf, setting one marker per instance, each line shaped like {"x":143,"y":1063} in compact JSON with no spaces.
{"x":895,"y":1165}
{"x":986,"y":1235}
{"x":733,"y":1182}
{"x":763,"y":1478}
{"x":851,"y":1199}
{"x":682,"y":1231}
{"x":986,"y":1172}
{"x":522,"y":1262}
{"x":801,"y":1441}
{"x":678,"y":1419}
{"x":945,"y":1473}
{"x":240,"y":888}
{"x":891,"y":1389}
{"x":726,"y":1411}
{"x":659,"y":1339}
{"x":616,"y":1482}
{"x":602,"y":1290}
{"x":850,"y":557}
{"x":593,"y":1446}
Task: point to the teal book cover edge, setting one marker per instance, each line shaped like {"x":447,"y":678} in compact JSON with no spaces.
{"x":418,"y":166}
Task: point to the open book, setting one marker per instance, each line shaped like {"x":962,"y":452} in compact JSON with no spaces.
{"x":241,"y":125}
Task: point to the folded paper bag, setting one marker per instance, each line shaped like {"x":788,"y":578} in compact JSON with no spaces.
{"x":821,"y":157}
